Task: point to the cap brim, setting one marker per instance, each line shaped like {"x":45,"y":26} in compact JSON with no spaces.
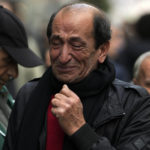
{"x":24,"y":56}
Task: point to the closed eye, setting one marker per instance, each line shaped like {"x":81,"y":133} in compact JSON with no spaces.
{"x":77,"y":43}
{"x":55,"y":42}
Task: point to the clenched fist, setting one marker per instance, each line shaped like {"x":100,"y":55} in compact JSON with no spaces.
{"x":68,"y":109}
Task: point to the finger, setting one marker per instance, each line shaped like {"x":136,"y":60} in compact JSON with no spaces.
{"x":60,"y":96}
{"x":67,"y":92}
{"x":63,"y":103}
{"x":55,"y":102}
{"x":57,"y":111}
{"x":63,"y":98}
{"x":54,"y":112}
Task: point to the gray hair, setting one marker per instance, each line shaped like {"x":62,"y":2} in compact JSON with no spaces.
{"x":138,"y":63}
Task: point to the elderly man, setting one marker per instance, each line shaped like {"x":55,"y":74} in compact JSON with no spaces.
{"x":141,"y":71}
{"x":13,"y":51}
{"x":77,"y":104}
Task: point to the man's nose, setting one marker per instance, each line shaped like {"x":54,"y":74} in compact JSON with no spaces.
{"x":65,"y":55}
{"x":13,"y":71}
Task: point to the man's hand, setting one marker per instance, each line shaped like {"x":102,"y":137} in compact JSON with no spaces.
{"x":68,"y":109}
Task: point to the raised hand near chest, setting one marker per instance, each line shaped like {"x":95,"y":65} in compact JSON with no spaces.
{"x":68,"y":109}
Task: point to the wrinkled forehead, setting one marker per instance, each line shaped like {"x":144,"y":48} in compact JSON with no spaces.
{"x":79,"y":8}
{"x":75,"y":15}
{"x":76,"y":9}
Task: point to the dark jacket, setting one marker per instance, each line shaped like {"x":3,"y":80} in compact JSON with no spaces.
{"x":123,"y":123}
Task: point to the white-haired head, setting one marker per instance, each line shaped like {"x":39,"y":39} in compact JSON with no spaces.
{"x":140,"y":59}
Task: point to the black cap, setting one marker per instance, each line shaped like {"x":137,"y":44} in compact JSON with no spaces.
{"x":13,"y":40}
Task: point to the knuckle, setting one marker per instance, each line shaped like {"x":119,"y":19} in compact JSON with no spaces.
{"x":67,"y":106}
{"x":62,"y":112}
{"x":75,"y":101}
{"x":56,"y":95}
{"x":53,"y":111}
{"x":53,"y":101}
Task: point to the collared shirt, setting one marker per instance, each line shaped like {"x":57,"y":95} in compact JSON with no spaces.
{"x":6,"y":103}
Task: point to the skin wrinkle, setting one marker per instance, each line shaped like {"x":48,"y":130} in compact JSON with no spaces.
{"x":61,"y":51}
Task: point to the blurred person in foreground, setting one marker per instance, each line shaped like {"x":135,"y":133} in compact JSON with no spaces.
{"x":25,"y":74}
{"x":77,"y":104}
{"x":141,"y":72}
{"x":13,"y":51}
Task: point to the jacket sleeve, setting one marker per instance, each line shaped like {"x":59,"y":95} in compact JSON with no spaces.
{"x":135,"y":133}
{"x":16,"y":116}
{"x":86,"y":139}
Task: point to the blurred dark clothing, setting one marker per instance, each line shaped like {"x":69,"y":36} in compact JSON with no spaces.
{"x":136,"y":45}
{"x":132,"y":50}
{"x":12,"y":88}
{"x":121,"y":71}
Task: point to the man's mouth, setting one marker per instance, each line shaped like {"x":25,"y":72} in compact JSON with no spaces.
{"x":65,"y":69}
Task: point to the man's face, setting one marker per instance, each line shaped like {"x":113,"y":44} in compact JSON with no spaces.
{"x":72,"y":46}
{"x":8,"y":68}
{"x":144,"y":75}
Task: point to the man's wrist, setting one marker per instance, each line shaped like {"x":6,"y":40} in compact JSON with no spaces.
{"x":84,"y":138}
{"x":75,"y":129}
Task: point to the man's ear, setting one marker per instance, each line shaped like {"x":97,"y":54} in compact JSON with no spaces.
{"x":103,"y":49}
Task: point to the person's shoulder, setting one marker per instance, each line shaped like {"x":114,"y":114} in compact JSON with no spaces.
{"x":26,"y":90}
{"x":128,"y":87}
{"x":30,"y":84}
{"x":127,"y":95}
{"x":34,"y":81}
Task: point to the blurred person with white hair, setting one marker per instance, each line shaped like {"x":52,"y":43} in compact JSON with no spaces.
{"x":141,"y":71}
